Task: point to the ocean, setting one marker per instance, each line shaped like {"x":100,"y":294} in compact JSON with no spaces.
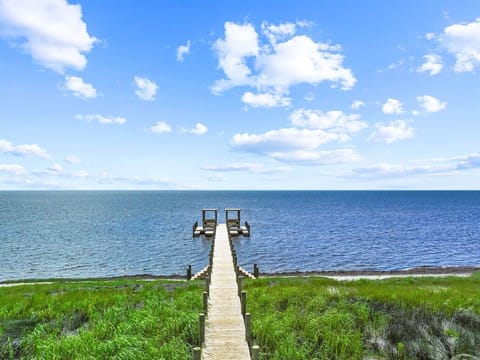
{"x":78,"y":234}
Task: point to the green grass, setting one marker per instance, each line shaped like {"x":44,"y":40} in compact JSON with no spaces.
{"x":292,"y":319}
{"x":408,"y":318}
{"x":124,"y":319}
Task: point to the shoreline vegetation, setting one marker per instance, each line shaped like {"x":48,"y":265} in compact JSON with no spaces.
{"x":341,"y":274}
{"x":294,"y":316}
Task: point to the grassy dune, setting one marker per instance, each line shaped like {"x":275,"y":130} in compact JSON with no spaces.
{"x":411,"y":318}
{"x":293,"y":318}
{"x":100,"y":320}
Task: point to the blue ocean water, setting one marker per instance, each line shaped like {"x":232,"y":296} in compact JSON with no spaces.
{"x":77,"y":234}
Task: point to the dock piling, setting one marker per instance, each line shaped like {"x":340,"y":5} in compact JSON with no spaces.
{"x":197,"y":353}
{"x":201,"y":319}
{"x":255,"y":352}
{"x":255,"y":270}
{"x":248,"y":329}
{"x":244,"y":302}
{"x":189,"y":272}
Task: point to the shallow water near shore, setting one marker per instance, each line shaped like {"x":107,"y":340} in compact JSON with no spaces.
{"x":79,"y":234}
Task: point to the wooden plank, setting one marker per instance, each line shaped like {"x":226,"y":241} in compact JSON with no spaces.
{"x":224,"y":327}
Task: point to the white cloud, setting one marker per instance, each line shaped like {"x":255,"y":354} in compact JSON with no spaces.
{"x":430,"y":104}
{"x":395,"y":131}
{"x":429,"y":36}
{"x":357,"y":104}
{"x":246,"y":167}
{"x":422,"y":167}
{"x":146,"y":89}
{"x":51,"y":31}
{"x":392,"y":106}
{"x":6,"y":147}
{"x":300,"y":143}
{"x":317,"y":157}
{"x":284,"y":140}
{"x":55,"y":168}
{"x":274,"y":66}
{"x":72,"y":159}
{"x":275,"y":33}
{"x":161,"y":127}
{"x":267,"y":100}
{"x":79,"y":88}
{"x":199,"y":129}
{"x":12,"y":169}
{"x":433,"y":64}
{"x":183,"y":50}
{"x":241,"y":41}
{"x":104,"y":120}
{"x":301,"y":60}
{"x":463,"y":41}
{"x":334,"y":120}
{"x":106,"y":178}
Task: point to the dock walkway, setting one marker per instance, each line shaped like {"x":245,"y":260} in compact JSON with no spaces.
{"x":224,"y":324}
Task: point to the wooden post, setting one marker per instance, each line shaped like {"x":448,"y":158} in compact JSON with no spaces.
{"x":248,"y":329}
{"x":205,"y":302}
{"x":243,"y":299}
{"x":255,"y":270}
{"x":189,"y":272}
{"x":240,"y":286}
{"x":201,"y":319}
{"x":197,"y":353}
{"x":255,"y":352}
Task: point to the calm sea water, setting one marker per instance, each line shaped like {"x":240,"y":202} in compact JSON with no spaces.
{"x":107,"y":233}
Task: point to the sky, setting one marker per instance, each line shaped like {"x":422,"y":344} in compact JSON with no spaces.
{"x":239,"y":95}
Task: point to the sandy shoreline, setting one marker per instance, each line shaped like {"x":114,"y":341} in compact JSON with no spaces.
{"x":424,"y":271}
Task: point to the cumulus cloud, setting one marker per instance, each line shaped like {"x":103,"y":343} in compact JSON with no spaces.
{"x":12,"y":169}
{"x":273,"y":66}
{"x":101,"y":119}
{"x":146,"y":89}
{"x":284,"y":139}
{"x":79,"y":88}
{"x":463,"y":41}
{"x":266,"y":100}
{"x":392,"y":132}
{"x":392,"y":106}
{"x":183,"y":50}
{"x":311,"y":128}
{"x":240,"y":42}
{"x":275,"y":33}
{"x":6,"y":147}
{"x":161,"y":127}
{"x":433,"y":64}
{"x":199,"y":129}
{"x":357,"y":104}
{"x":51,"y":31}
{"x":334,"y":120}
{"x":430,"y":104}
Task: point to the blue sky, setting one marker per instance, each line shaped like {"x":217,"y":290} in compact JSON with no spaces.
{"x":239,"y":94}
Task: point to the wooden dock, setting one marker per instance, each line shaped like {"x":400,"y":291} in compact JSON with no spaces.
{"x":224,"y":323}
